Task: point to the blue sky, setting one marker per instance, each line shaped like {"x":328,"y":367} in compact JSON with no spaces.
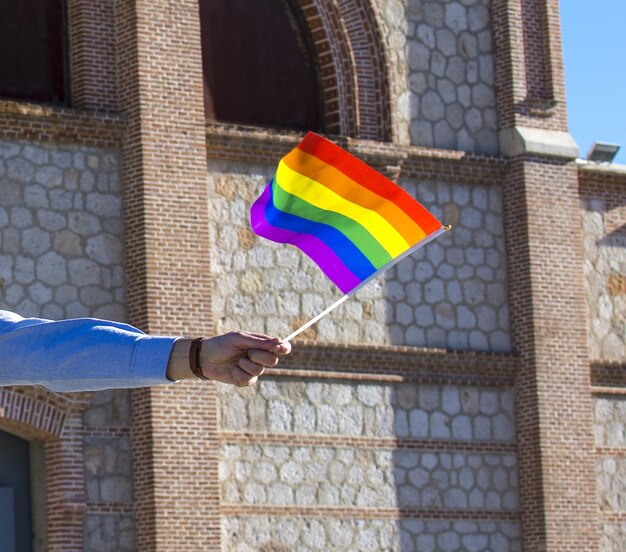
{"x":594,"y":50}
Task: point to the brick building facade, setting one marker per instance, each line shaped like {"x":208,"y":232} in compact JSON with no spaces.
{"x":471,"y":399}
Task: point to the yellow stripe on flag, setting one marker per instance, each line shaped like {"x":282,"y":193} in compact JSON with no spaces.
{"x":353,"y":191}
{"x":320,"y":196}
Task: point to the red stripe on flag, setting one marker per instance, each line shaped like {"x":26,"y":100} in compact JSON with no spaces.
{"x":367,"y":177}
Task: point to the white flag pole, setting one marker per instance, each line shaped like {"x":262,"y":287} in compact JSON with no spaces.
{"x":316,"y":318}
{"x":367,"y":280}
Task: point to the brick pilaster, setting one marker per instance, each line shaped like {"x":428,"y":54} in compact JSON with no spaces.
{"x":529,"y":64}
{"x":545,"y":269}
{"x":167,"y":265}
{"x":554,"y":408}
{"x":91,"y":28}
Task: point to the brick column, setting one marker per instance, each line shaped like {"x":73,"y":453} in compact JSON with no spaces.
{"x":548,"y":319}
{"x":529,"y":64}
{"x":167,"y":266}
{"x":547,"y":295}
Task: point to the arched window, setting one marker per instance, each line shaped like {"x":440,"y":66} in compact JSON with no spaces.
{"x":32,"y":57}
{"x":259,"y":66}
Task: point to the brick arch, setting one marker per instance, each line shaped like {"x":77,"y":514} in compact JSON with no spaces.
{"x":57,"y":420}
{"x":352,"y":67}
{"x":31,"y":415}
{"x":363,"y":23}
{"x":335,"y":63}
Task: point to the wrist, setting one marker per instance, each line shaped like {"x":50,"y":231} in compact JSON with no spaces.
{"x":178,"y":364}
{"x":195,"y":364}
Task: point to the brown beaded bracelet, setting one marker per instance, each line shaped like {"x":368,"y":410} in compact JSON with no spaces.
{"x":194,"y":358}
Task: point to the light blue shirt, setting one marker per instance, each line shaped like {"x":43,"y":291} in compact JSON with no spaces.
{"x":83,"y":354}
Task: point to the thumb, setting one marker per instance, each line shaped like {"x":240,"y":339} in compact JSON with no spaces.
{"x":265,"y":343}
{"x":245,"y":340}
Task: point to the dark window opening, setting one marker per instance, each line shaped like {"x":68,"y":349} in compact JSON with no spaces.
{"x":259,"y":65}
{"x":15,"y":494}
{"x":32,"y":53}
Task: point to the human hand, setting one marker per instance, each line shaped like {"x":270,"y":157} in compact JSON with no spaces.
{"x":239,"y":358}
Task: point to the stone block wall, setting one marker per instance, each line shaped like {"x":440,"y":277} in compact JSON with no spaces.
{"x":110,"y":525}
{"x":371,"y":410}
{"x":443,"y":73}
{"x":605,"y":277}
{"x":250,"y":534}
{"x":451,"y":294}
{"x":405,"y":459}
{"x":61,"y":229}
{"x":320,"y":465}
{"x":610,"y":440}
{"x":61,"y":256}
{"x":343,"y":477}
{"x":610,"y":422}
{"x":604,"y":244}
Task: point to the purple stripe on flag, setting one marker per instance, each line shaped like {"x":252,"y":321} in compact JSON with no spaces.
{"x":315,"y":248}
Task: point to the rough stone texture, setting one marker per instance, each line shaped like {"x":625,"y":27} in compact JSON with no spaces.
{"x":613,"y":537}
{"x":450,"y":294}
{"x":605,"y":263}
{"x":109,"y":408}
{"x":61,"y":257}
{"x":441,"y":61}
{"x":610,"y":422}
{"x":309,"y":476}
{"x":282,"y":534}
{"x":61,"y":231}
{"x":610,"y":431}
{"x":370,"y":410}
{"x":108,"y":472}
{"x":303,"y":475}
{"x":108,"y":460}
{"x":109,"y":533}
{"x":611,"y":480}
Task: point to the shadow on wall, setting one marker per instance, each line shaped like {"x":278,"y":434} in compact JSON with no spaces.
{"x":436,"y":453}
{"x":452,"y":293}
{"x":455,"y":457}
{"x":617,"y":238}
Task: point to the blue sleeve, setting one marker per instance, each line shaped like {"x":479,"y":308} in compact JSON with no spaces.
{"x":83,"y":354}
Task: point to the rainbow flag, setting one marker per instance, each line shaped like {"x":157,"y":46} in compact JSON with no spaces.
{"x":353,"y":222}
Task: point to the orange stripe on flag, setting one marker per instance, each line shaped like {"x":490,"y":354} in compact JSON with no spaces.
{"x":333,"y":179}
{"x":362,"y":173}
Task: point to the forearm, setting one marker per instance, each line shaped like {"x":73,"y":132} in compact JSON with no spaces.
{"x":89,"y":354}
{"x":79,"y":355}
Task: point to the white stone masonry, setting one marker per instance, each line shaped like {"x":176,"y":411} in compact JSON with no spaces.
{"x":451,"y":294}
{"x":60,"y":231}
{"x":441,"y":60}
